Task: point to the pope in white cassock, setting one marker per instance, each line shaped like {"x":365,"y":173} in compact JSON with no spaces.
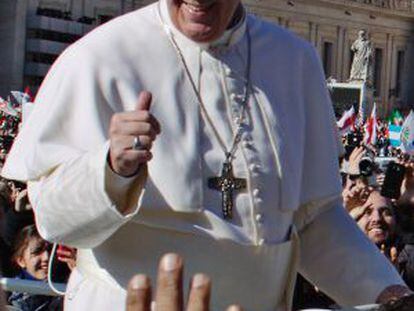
{"x":234,"y":167}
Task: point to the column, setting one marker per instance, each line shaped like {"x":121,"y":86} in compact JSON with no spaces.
{"x":339,"y":64}
{"x":386,"y":84}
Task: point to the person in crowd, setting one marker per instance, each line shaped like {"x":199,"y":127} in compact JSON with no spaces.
{"x":11,"y":223}
{"x":167,"y":130}
{"x":388,"y":224}
{"x":13,"y":220}
{"x":4,"y":248}
{"x":404,"y":208}
{"x":2,"y":301}
{"x":31,"y":257}
{"x":375,"y":216}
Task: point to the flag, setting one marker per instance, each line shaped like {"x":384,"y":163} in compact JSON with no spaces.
{"x":7,"y":108}
{"x":394,"y":135}
{"x":21,"y":98}
{"x":407,"y":134}
{"x":396,"y":117}
{"x":27,"y":91}
{"x":347,"y":121}
{"x":370,"y":127}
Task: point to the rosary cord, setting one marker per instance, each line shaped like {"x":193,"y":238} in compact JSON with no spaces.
{"x":49,"y":272}
{"x":236,"y":138}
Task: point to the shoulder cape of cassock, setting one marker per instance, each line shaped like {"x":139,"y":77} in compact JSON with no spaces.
{"x":104,"y":72}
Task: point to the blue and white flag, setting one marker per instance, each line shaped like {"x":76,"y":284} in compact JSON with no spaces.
{"x":407,"y":134}
{"x":394,"y":132}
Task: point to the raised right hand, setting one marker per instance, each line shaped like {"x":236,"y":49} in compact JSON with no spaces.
{"x":123,"y":128}
{"x":354,"y":159}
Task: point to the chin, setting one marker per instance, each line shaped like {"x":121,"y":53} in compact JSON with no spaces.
{"x":41,"y":275}
{"x":200,"y":33}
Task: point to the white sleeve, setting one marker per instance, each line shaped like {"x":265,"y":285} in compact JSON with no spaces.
{"x":338,"y":258}
{"x":62,"y":150}
{"x":78,"y":203}
{"x":335,"y":254}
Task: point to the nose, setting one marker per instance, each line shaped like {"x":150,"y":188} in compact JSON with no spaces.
{"x":45,"y":256}
{"x":376,"y":216}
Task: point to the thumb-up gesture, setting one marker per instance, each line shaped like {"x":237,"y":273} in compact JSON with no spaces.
{"x":131,"y":134}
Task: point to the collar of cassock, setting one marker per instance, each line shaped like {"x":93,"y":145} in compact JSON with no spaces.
{"x":230,"y":37}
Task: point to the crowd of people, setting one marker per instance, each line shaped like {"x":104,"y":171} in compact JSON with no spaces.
{"x":378,"y":193}
{"x":24,"y":253}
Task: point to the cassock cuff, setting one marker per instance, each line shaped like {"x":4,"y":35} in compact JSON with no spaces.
{"x":123,"y":192}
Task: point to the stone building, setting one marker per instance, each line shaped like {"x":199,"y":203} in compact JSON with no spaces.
{"x":332,"y":26}
{"x":34,"y":32}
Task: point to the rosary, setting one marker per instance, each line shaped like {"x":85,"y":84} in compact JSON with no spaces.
{"x":226,"y":183}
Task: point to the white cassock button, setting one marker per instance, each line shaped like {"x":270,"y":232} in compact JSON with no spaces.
{"x":258,"y":201}
{"x":227,"y":70}
{"x":259,"y":218}
{"x":253,"y":168}
{"x":233,"y":96}
{"x":261,"y":241}
{"x":246,"y":143}
{"x":256,"y":192}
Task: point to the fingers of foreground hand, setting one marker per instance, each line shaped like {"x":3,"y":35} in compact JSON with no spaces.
{"x":169,"y":295}
{"x":199,"y":297}
{"x":234,"y":308}
{"x":139,"y":294}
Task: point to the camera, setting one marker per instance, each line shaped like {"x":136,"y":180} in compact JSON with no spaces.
{"x":367,"y":165}
{"x":383,"y":162}
{"x":353,"y":140}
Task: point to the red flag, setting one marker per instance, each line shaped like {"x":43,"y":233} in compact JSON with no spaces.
{"x":27,"y":91}
{"x":347,"y":121}
{"x":370,"y":127}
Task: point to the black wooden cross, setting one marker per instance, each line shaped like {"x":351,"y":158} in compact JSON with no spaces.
{"x":226,"y":183}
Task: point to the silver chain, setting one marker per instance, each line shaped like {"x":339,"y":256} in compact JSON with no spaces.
{"x":239,"y":131}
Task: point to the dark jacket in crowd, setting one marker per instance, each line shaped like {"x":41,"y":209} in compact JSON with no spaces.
{"x":30,"y":302}
{"x":406,"y":260}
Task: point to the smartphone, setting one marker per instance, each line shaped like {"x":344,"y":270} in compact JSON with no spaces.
{"x":394,"y":176}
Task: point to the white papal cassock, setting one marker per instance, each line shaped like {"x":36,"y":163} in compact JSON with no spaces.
{"x":290,"y":216}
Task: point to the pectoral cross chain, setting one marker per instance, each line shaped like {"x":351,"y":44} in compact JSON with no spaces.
{"x":226,"y":184}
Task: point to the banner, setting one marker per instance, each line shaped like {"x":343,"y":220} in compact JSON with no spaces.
{"x":407,"y":134}
{"x":395,"y":135}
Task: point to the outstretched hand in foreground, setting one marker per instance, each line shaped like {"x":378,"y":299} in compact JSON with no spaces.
{"x":169,"y":289}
